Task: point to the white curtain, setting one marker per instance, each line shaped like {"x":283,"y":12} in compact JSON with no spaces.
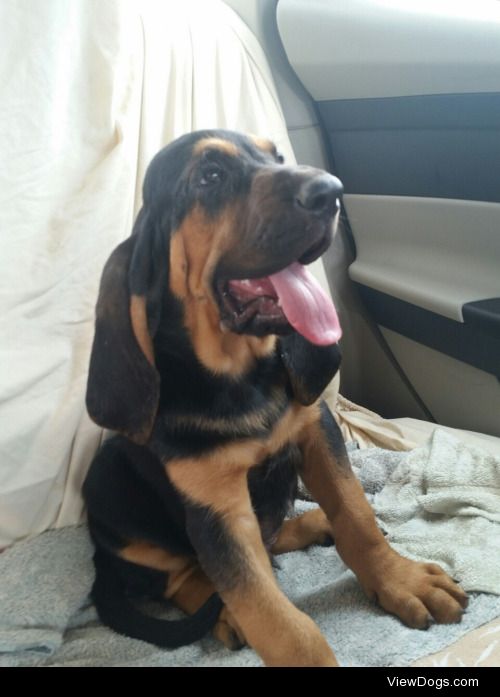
{"x":89,"y":91}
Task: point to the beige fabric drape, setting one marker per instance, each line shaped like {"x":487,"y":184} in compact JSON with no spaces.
{"x":370,"y":430}
{"x":89,"y":91}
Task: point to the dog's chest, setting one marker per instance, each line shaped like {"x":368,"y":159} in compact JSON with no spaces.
{"x":195,"y":401}
{"x":252,"y":419}
{"x":253,"y":415}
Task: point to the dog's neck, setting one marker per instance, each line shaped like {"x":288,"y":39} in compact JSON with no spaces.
{"x":193,"y":399}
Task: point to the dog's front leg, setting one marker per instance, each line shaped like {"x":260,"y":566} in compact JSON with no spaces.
{"x":413,"y":591}
{"x":226,"y":535}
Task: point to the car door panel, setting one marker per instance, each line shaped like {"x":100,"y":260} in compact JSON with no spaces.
{"x":409,"y":97}
{"x":354,"y":49}
{"x":441,"y":146}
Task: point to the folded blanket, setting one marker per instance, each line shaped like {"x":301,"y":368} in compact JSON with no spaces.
{"x":442,"y":503}
{"x":46,"y":618}
{"x":44,"y":583}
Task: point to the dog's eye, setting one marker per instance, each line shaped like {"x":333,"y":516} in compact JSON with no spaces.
{"x":279,"y":158}
{"x":212,"y":175}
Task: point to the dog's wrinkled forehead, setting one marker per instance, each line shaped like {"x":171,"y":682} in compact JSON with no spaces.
{"x":208,"y":167}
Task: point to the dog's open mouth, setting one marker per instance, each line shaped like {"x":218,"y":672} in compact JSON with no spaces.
{"x":290,"y":298}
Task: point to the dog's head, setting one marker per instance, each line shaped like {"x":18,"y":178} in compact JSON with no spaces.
{"x":220,"y":245}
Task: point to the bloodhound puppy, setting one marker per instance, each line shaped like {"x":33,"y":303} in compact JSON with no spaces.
{"x":213,"y":344}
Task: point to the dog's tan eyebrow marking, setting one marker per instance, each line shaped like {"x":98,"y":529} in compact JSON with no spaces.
{"x":263,"y":144}
{"x":217,"y":143}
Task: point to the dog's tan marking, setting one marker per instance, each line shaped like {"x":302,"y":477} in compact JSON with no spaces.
{"x":192,"y":593}
{"x":263,"y":144}
{"x":312,"y":527}
{"x":245,"y":425}
{"x":139,"y":320}
{"x":186,"y":584}
{"x":189,"y":590}
{"x":340,"y":495}
{"x":281,"y":634}
{"x":216,"y":143}
{"x":153,"y":556}
{"x":195,"y":248}
{"x":188,"y":587}
{"x":201,"y":476}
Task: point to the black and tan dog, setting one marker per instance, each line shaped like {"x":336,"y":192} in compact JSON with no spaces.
{"x":213,"y":344}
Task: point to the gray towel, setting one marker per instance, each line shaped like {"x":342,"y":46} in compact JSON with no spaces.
{"x":442,"y":503}
{"x":46,"y":618}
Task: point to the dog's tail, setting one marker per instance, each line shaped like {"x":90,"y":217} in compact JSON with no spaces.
{"x":117,"y":611}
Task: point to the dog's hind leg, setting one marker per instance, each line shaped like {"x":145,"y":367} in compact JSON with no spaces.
{"x":189,"y":590}
{"x":310,"y":528}
{"x":187,"y":586}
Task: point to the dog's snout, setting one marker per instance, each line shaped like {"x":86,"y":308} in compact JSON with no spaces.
{"x":319,"y":194}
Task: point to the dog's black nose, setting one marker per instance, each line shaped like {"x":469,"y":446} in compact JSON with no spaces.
{"x":319,"y":194}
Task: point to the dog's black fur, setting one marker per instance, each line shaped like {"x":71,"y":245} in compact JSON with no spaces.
{"x":127,"y":491}
{"x":216,"y":399}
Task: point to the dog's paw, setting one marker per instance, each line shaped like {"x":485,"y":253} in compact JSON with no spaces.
{"x":416,"y":592}
{"x":228,"y":632}
{"x":315,"y":528}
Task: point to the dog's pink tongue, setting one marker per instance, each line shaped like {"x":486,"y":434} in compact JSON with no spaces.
{"x":307,"y":307}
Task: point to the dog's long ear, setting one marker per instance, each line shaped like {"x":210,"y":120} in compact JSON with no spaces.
{"x":310,"y":368}
{"x":123,"y":384}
